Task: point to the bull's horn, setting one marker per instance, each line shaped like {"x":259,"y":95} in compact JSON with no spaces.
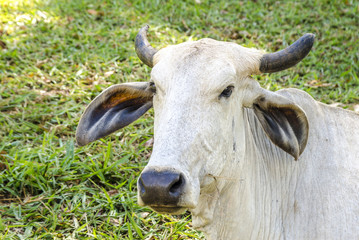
{"x":286,"y":58}
{"x":143,"y":48}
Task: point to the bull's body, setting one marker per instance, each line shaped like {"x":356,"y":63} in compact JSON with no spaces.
{"x":225,"y":147}
{"x":267,"y":195}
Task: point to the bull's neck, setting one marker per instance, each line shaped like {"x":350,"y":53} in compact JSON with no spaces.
{"x":252,"y":196}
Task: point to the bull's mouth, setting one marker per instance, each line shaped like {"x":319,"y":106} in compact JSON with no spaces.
{"x":169,"y":210}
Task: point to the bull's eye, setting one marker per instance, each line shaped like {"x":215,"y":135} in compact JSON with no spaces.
{"x":153,"y":87}
{"x":227,"y":92}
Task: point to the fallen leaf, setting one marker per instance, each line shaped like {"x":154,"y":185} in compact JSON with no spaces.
{"x":92,"y":12}
{"x":144,"y":214}
{"x":317,"y":84}
{"x":109,"y":73}
{"x":39,"y":63}
{"x":115,"y":221}
{"x":149,"y":143}
{"x":95,"y":13}
{"x":112,"y":192}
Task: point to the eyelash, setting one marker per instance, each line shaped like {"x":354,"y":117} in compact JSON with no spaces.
{"x":227,"y":92}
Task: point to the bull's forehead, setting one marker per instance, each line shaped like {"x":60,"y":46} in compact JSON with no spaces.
{"x":202,"y":62}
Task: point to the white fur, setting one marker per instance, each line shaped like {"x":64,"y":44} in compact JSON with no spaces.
{"x":253,"y":190}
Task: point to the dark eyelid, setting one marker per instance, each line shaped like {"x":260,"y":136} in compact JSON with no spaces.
{"x":227,"y":92}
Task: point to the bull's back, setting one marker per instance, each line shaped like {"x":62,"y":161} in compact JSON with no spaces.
{"x":327,"y":193}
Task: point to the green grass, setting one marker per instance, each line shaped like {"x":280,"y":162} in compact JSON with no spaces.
{"x":55,"y":56}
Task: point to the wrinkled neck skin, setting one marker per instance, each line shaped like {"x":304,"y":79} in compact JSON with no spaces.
{"x":248,"y":200}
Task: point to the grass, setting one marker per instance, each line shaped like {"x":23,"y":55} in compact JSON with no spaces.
{"x":55,"y":56}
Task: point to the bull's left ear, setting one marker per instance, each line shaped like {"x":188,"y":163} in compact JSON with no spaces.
{"x":284,"y":122}
{"x":114,"y":108}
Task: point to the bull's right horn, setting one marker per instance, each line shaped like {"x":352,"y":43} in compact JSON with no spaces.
{"x":286,"y":58}
{"x":143,"y":48}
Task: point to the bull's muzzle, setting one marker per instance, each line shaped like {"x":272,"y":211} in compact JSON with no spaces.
{"x":161,"y":190}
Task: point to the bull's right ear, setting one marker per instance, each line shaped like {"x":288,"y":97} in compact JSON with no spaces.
{"x":284,"y":122}
{"x":114,"y":108}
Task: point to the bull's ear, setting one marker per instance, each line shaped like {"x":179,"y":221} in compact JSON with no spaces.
{"x":114,"y":108}
{"x":284,"y":122}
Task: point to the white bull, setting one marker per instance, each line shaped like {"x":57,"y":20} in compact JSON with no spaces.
{"x":224,"y":147}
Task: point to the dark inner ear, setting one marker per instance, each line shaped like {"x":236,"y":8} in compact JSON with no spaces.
{"x":285,"y":124}
{"x":121,"y":106}
{"x":114,"y":108}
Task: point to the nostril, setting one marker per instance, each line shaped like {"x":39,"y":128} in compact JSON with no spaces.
{"x":141,"y":187}
{"x":177,"y":185}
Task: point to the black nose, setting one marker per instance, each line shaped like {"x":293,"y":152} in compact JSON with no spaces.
{"x":161,"y":188}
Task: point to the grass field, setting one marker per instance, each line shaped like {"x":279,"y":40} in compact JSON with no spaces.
{"x":55,"y":56}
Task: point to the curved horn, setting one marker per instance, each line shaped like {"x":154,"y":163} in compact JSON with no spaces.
{"x":143,"y":48}
{"x":286,"y":58}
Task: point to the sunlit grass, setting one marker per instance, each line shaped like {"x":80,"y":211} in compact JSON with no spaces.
{"x":17,"y":15}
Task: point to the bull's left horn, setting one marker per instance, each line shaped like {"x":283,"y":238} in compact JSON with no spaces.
{"x":143,"y":48}
{"x":286,"y":58}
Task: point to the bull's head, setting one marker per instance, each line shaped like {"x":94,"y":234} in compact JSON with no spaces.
{"x":200,"y":92}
